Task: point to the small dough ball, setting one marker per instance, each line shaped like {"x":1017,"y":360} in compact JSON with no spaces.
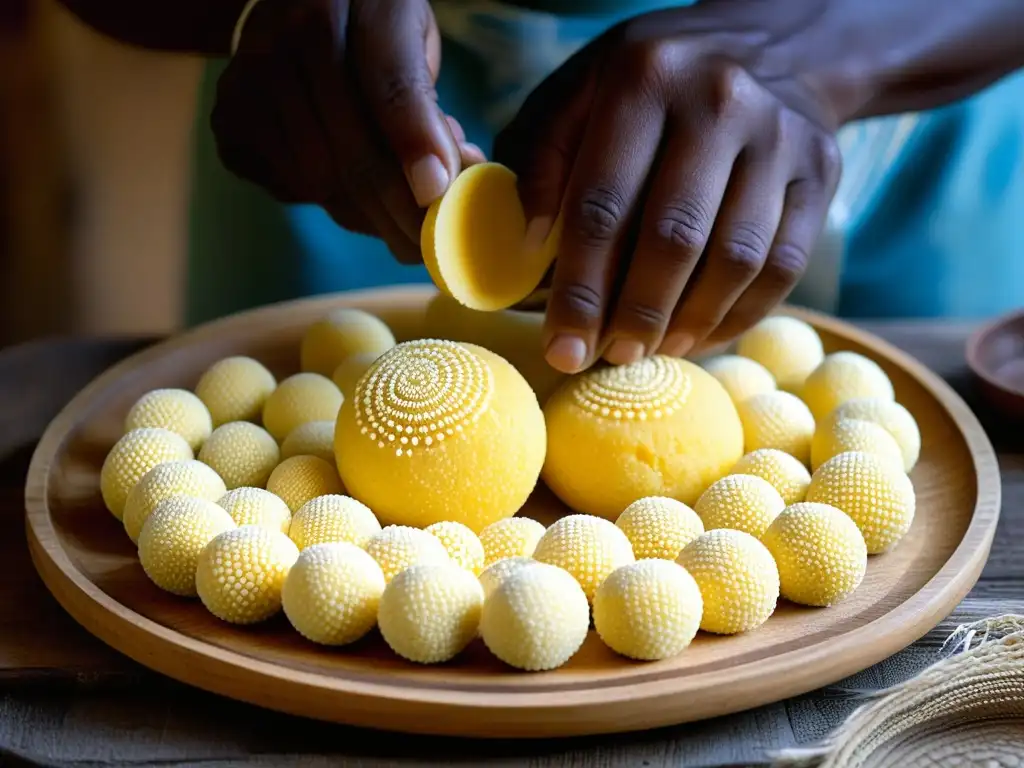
{"x":314,"y":438}
{"x":875,"y":493}
{"x":343,"y":333}
{"x":242,"y":453}
{"x":301,"y":478}
{"x":256,"y":506}
{"x":819,"y":551}
{"x":786,"y":474}
{"x":299,"y":399}
{"x":648,"y":610}
{"x":778,"y":420}
{"x":835,"y":437}
{"x":511,"y":537}
{"x":789,"y":348}
{"x":742,"y":502}
{"x":536,"y":619}
{"x":172,"y":478}
{"x":741,"y":376}
{"x":895,"y":418}
{"x":738,"y":580}
{"x":587,"y":547}
{"x":235,"y":389}
{"x":429,"y":613}
{"x":351,"y":370}
{"x":134,"y":455}
{"x":173,"y":537}
{"x":494,"y":576}
{"x":398,"y":547}
{"x":332,"y":593}
{"x":463,"y":546}
{"x":439,"y":430}
{"x":658,"y":526}
{"x":241,"y":573}
{"x":658,"y":427}
{"x":177,"y":410}
{"x":843,"y":376}
{"x":333,"y":517}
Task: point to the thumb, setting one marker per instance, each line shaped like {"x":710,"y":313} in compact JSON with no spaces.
{"x":396,"y":46}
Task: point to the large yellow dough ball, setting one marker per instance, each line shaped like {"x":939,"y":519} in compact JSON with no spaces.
{"x":342,"y":334}
{"x":778,"y":420}
{"x":786,"y":474}
{"x":875,"y":493}
{"x":741,"y":376}
{"x":648,"y":610}
{"x":314,"y":438}
{"x":439,"y":430}
{"x":134,"y":455}
{"x":242,"y":453}
{"x":299,"y":399}
{"x":332,"y":593}
{"x":398,"y":547}
{"x":235,"y":389}
{"x":494,"y":576}
{"x":172,"y":478}
{"x":789,"y":348}
{"x":536,"y":619}
{"x":511,"y":537}
{"x":839,"y":436}
{"x":819,"y":551}
{"x":255,"y":506}
{"x":333,"y":518}
{"x":429,"y":613}
{"x":241,"y":573}
{"x":178,"y":410}
{"x":658,"y":427}
{"x":738,"y":580}
{"x":174,"y":536}
{"x":890,"y":415}
{"x":351,"y":370}
{"x":301,"y":478}
{"x":843,"y":376}
{"x":463,"y":546}
{"x":658,"y":526}
{"x":743,"y":502}
{"x":587,"y":547}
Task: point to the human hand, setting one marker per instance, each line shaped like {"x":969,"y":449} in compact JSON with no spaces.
{"x":333,"y":102}
{"x":693,"y":169}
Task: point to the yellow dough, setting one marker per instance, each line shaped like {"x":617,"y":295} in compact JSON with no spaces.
{"x":398,"y":547}
{"x":741,"y":376}
{"x":472,"y":241}
{"x":351,"y":370}
{"x":134,"y":455}
{"x":844,"y":376}
{"x":658,"y":427}
{"x":895,"y":418}
{"x":778,"y":420}
{"x":333,"y":518}
{"x":343,"y":333}
{"x":789,"y":348}
{"x":235,"y":389}
{"x":301,"y":478}
{"x":172,"y":478}
{"x":255,"y":506}
{"x":314,"y":438}
{"x":657,"y":526}
{"x":511,"y":537}
{"x":178,"y":410}
{"x":742,"y":502}
{"x":787,"y":475}
{"x":463,"y":546}
{"x":439,"y":430}
{"x":587,"y":547}
{"x":242,"y":453}
{"x":299,"y":399}
{"x":838,"y":436}
{"x":494,"y":576}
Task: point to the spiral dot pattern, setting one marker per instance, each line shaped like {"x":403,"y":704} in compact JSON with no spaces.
{"x":652,"y":388}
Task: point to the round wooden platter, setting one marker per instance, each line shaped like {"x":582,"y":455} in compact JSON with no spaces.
{"x":90,"y":565}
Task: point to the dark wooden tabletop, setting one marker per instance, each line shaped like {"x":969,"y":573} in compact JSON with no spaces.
{"x":66,"y":699}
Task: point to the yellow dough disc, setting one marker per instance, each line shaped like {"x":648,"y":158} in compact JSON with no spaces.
{"x":172,"y":478}
{"x":397,"y":547}
{"x":494,"y":576}
{"x":585,"y":546}
{"x":789,"y":348}
{"x":741,"y":376}
{"x":242,"y":453}
{"x":657,"y":427}
{"x":351,"y":370}
{"x":472,"y":241}
{"x":256,"y":506}
{"x":134,"y":455}
{"x":786,"y":474}
{"x":657,"y":526}
{"x":742,"y":502}
{"x":463,"y":546}
{"x":299,"y":399}
{"x":235,"y":389}
{"x":301,"y":478}
{"x":314,"y":438}
{"x":439,"y":430}
{"x":333,"y":518}
{"x":839,"y":436}
{"x":778,"y":420}
{"x":844,"y":376}
{"x":343,"y":333}
{"x":177,"y":410}
{"x":895,"y":418}
{"x":511,"y":537}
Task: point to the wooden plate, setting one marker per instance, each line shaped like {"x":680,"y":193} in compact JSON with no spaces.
{"x":90,"y":565}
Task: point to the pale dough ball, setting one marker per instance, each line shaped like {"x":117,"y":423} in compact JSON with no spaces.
{"x":743,"y":502}
{"x":177,"y":410}
{"x":778,"y":420}
{"x":895,"y":418}
{"x":242,"y":453}
{"x":463,"y":546}
{"x":398,"y":547}
{"x":839,"y":436}
{"x":299,"y":399}
{"x":343,"y":333}
{"x":256,"y":506}
{"x":786,"y":474}
{"x":586,"y":547}
{"x":301,"y":478}
{"x":789,"y":348}
{"x":172,"y":478}
{"x":494,"y":576}
{"x":351,"y":370}
{"x":844,"y":376}
{"x":314,"y":438}
{"x":333,"y":518}
{"x":235,"y":389}
{"x":658,"y":526}
{"x":741,"y":376}
{"x":511,"y":537}
{"x":134,"y":455}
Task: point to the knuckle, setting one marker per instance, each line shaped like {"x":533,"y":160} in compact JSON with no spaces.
{"x":827,"y":158}
{"x":786,"y":263}
{"x":582,"y":302}
{"x":647,"y":61}
{"x":683,"y":228}
{"x":732,"y":90}
{"x":398,"y":92}
{"x":640,"y":315}
{"x":745,"y":248}
{"x":600,"y":211}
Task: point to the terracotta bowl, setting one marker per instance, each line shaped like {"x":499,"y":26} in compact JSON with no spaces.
{"x":995,"y":354}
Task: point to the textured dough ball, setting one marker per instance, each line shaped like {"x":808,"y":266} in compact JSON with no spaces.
{"x":441,"y":431}
{"x":314,"y":438}
{"x":134,"y":455}
{"x":778,"y":420}
{"x":429,"y":613}
{"x":343,"y":333}
{"x":494,"y":576}
{"x":177,"y":410}
{"x":511,"y":537}
{"x":235,"y":389}
{"x":789,"y":348}
{"x":299,"y":399}
{"x":835,"y":437}
{"x":742,"y":502}
{"x":875,"y":493}
{"x":241,"y":573}
{"x":351,"y":370}
{"x":332,"y":593}
{"x":256,"y":506}
{"x":172,"y":478}
{"x":463,"y":546}
{"x":585,"y":546}
{"x":398,"y":547}
{"x":844,"y":376}
{"x":890,"y":415}
{"x":648,"y":610}
{"x":174,"y":536}
{"x":657,"y":526}
{"x":658,"y":427}
{"x":819,"y":551}
{"x":301,"y":478}
{"x":741,"y":376}
{"x":333,"y":518}
{"x":242,"y":453}
{"x":738,"y":580}
{"x":786,"y":474}
{"x":536,"y":619}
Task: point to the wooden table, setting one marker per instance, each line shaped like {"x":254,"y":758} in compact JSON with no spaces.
{"x":66,"y":699}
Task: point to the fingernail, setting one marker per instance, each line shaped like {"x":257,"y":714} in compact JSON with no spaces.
{"x":624,"y":352}
{"x":567,"y":353}
{"x":677,"y":344}
{"x":537,"y":232}
{"x":429,"y":179}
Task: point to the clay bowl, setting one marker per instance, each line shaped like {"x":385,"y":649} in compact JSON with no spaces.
{"x":995,"y":354}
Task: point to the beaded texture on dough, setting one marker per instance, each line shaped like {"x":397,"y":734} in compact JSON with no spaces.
{"x":301,"y":478}
{"x":842,"y":435}
{"x":242,"y":453}
{"x":256,"y":506}
{"x":778,"y":420}
{"x":844,"y":376}
{"x":340,"y":335}
{"x":398,"y":547}
{"x":741,"y":376}
{"x":351,"y":370}
{"x":743,"y":502}
{"x":586,"y":547}
{"x":786,"y":474}
{"x":463,"y":546}
{"x":314,"y":438}
{"x":493,"y":576}
{"x":301,"y":398}
{"x":235,"y":389}
{"x":511,"y":537}
{"x":657,"y":526}
{"x":893,"y":416}
{"x":789,"y":348}
{"x":177,"y":410}
{"x":172,"y":478}
{"x":134,"y":455}
{"x":333,"y":517}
